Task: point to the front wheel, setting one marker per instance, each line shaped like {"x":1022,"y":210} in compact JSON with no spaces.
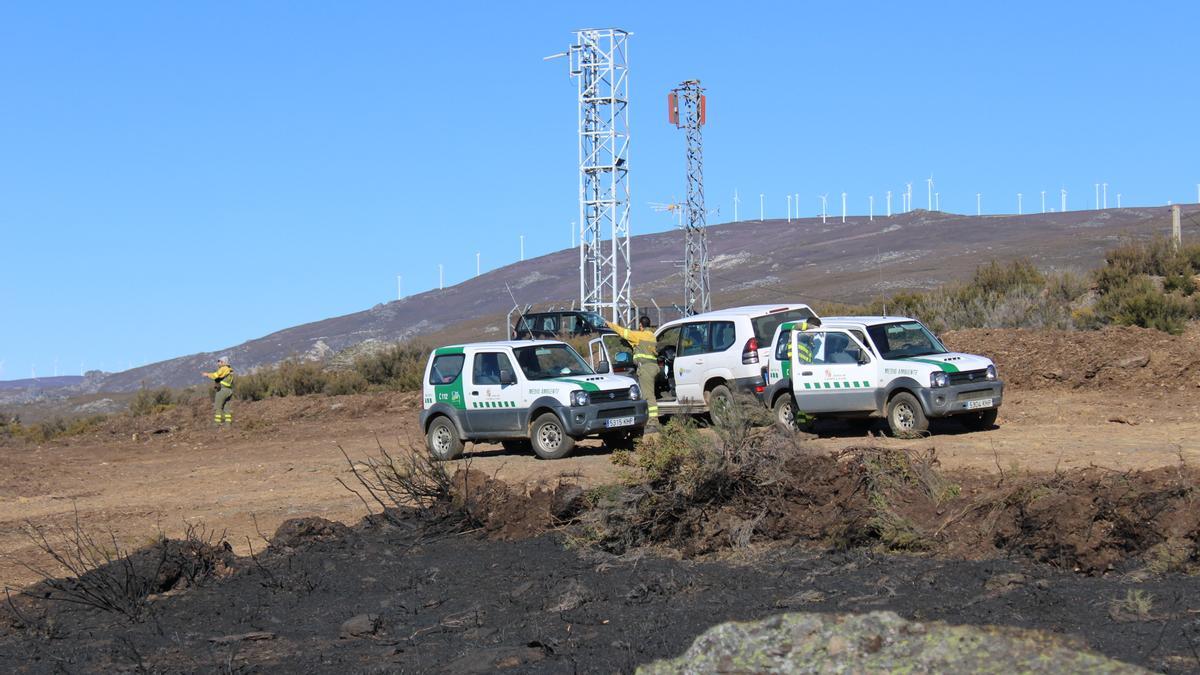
{"x":443,"y":441}
{"x":906,"y":417}
{"x":785,"y":413}
{"x":549,"y":438}
{"x":980,"y":421}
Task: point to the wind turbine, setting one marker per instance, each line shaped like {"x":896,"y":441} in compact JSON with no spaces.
{"x":889,"y":203}
{"x":978,"y":203}
{"x":1063,"y":194}
{"x":736,"y":201}
{"x":1043,"y":201}
{"x":871,"y":200}
{"x":824,"y":199}
{"x":1118,"y":200}
{"x":929,"y":186}
{"x":1104,"y":187}
{"x":937,"y":201}
{"x":789,"y":202}
{"x":522,"y":248}
{"x":477,"y":263}
{"x":843,"y":207}
{"x":1019,"y":211}
{"x":441,"y":277}
{"x":1097,"y":196}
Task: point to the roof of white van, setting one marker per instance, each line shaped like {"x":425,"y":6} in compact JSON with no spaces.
{"x":744,"y":310}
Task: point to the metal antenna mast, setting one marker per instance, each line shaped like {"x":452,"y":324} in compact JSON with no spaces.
{"x":599,"y":63}
{"x":686,"y":110}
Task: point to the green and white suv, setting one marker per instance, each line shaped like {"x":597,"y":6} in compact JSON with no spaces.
{"x":523,"y":393}
{"x":877,"y":366}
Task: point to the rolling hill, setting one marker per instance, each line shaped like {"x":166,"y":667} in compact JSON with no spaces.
{"x":752,"y":261}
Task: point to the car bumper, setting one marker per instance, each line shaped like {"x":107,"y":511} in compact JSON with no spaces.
{"x":592,"y":419}
{"x":956,"y":399}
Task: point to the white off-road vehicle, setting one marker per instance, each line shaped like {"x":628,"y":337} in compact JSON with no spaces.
{"x":877,"y":366}
{"x":523,"y":393}
{"x":705,"y":359}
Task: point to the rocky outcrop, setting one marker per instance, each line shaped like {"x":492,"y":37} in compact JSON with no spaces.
{"x":878,"y":642}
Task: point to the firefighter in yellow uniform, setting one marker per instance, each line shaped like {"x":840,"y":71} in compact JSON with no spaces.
{"x":645,"y":355}
{"x":222,"y":379}
{"x":805,"y":349}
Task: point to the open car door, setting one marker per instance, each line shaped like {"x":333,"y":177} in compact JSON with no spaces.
{"x":615,"y":351}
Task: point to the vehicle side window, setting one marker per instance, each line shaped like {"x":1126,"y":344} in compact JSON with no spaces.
{"x":694,"y":339}
{"x":834,"y":348}
{"x":487,"y":367}
{"x":570,"y":324}
{"x":549,"y":324}
{"x":446,"y":368}
{"x":723,"y":335}
{"x":781,"y":347}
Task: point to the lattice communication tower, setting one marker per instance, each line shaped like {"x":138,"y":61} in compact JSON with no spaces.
{"x":599,"y":62}
{"x":686,"y":110}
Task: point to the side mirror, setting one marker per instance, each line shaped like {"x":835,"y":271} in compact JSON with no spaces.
{"x":602,"y":367}
{"x":863,"y":359}
{"x":507,"y":377}
{"x":624,"y":357}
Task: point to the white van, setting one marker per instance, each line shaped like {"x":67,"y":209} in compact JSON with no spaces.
{"x":877,"y":366}
{"x":705,"y":358}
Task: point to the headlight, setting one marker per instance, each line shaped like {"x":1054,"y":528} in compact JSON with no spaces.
{"x":635,"y":392}
{"x":939,"y":379}
{"x":579,"y":398}
{"x":991,"y":372}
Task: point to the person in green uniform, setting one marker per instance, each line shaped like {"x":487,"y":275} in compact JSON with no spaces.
{"x":645,"y":355}
{"x":222,"y":379}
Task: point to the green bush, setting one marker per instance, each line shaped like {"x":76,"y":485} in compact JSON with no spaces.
{"x":150,"y":401}
{"x":342,"y":382}
{"x":1140,"y":303}
{"x":400,"y":366}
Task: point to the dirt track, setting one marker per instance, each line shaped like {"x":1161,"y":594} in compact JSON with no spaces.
{"x":287,"y":463}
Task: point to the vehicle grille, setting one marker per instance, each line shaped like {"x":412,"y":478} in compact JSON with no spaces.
{"x":609,"y":396}
{"x":968,"y":376}
{"x":974,"y":394}
{"x":625,"y":411}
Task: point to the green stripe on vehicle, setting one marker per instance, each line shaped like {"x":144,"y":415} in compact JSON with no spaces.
{"x":447,"y":350}
{"x":586,"y":386}
{"x":946,"y":367}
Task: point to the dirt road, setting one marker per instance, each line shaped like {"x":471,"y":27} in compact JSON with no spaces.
{"x":284,"y":461}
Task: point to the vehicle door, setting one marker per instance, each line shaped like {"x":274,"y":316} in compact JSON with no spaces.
{"x":668,"y":346}
{"x":491,"y":404}
{"x":780,"y":365}
{"x":617,"y":352}
{"x":690,"y":361}
{"x":840,"y":377}
{"x":445,"y":383}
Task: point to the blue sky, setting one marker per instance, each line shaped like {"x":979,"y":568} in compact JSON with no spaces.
{"x":179,"y":177}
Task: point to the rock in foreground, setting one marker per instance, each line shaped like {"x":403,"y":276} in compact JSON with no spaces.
{"x":877,"y":642}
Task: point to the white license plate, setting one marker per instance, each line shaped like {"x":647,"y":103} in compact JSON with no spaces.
{"x":618,"y":422}
{"x":979,"y":403}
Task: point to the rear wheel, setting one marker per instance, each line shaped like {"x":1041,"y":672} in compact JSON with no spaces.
{"x":549,"y":438}
{"x":905,"y":416}
{"x":980,"y":421}
{"x":719,"y":401}
{"x":443,"y":441}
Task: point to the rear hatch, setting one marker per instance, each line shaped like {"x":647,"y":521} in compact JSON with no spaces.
{"x":765,"y":325}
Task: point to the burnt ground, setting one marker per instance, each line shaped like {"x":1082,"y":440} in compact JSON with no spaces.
{"x":467,"y":603}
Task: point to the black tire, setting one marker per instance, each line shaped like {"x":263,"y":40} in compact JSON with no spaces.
{"x":516,"y":445}
{"x":719,"y":400}
{"x":620,"y":440}
{"x":443,"y":441}
{"x":785,"y":413}
{"x":905,"y":416}
{"x":549,"y":438}
{"x":980,"y":421}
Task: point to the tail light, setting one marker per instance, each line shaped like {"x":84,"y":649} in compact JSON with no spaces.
{"x":750,"y":352}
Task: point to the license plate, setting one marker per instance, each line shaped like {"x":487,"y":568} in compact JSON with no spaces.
{"x":979,"y":403}
{"x":618,"y":422}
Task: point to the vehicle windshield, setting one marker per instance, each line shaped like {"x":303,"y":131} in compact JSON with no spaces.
{"x":542,"y":362}
{"x":904,"y":339}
